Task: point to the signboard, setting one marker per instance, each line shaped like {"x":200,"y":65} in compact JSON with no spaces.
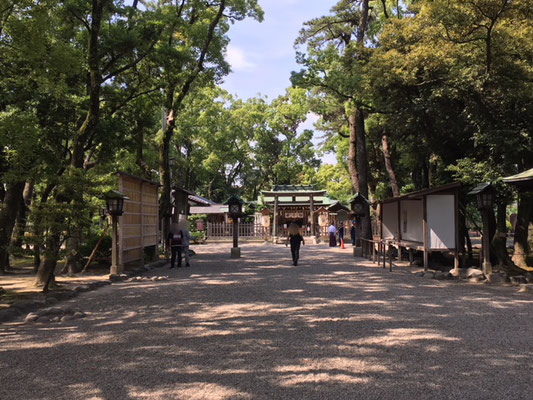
{"x":294,"y":214}
{"x":342,"y":215}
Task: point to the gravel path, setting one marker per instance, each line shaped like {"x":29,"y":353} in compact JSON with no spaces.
{"x":259,"y":328}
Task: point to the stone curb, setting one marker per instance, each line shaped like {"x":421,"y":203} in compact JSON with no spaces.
{"x":24,"y":307}
{"x":474,"y":275}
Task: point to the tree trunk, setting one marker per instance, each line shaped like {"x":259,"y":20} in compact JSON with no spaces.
{"x":139,"y":139}
{"x":20,"y":227}
{"x":362,"y":168}
{"x":8,"y":216}
{"x":499,"y":240}
{"x":165,"y":202}
{"x":389,"y":168}
{"x":45,"y":272}
{"x":523,"y":220}
{"x":352,"y":159}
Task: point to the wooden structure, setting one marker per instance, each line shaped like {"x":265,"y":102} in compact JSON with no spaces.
{"x":426,"y":221}
{"x":139,"y":225}
{"x":294,"y":203}
{"x":523,"y":241}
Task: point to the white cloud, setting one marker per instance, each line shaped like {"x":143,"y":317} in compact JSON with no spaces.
{"x":236,"y":57}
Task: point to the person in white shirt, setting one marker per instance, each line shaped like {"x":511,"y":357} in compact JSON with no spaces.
{"x":332,"y":232}
{"x":186,"y":241}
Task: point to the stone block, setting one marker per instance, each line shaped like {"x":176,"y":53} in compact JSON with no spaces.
{"x":429,"y":275}
{"x":235,"y":252}
{"x":471,"y":272}
{"x":526,"y":288}
{"x":496,"y":278}
{"x":517,"y":280}
{"x":31,"y":317}
{"x":440,"y":275}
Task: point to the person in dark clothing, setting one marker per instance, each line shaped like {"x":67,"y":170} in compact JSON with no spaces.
{"x":353,"y":234}
{"x":332,"y":233}
{"x":295,"y":238}
{"x":341,"y":233}
{"x":175,"y":242}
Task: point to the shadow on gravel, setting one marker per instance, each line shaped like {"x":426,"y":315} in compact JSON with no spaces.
{"x":260,"y":328}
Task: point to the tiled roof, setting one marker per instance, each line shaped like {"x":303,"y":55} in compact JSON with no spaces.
{"x":293,"y":188}
{"x":523,"y":176}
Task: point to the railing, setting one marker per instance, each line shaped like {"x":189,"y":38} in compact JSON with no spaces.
{"x":377,"y":251}
{"x":225,"y":230}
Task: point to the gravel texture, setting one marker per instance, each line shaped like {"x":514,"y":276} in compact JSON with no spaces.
{"x":260,"y":328}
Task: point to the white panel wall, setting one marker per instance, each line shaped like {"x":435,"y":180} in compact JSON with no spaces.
{"x":412,"y":214}
{"x":390,"y":220}
{"x":441,"y":221}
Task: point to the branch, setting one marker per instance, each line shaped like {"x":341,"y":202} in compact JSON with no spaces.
{"x":200,"y":64}
{"x":130,"y":65}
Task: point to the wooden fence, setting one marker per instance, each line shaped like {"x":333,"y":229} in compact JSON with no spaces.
{"x":139,"y":224}
{"x":223,"y":230}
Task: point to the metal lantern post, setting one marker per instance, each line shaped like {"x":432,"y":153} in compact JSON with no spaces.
{"x":235,"y":212}
{"x":114,"y":207}
{"x":359,"y":205}
{"x":485,"y":197}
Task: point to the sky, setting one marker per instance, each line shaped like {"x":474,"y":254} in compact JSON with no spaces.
{"x":262,"y":55}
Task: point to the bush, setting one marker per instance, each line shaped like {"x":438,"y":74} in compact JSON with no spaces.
{"x":197,"y":236}
{"x":104,"y":250}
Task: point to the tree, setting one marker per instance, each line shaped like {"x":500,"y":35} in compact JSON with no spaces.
{"x":190,"y":54}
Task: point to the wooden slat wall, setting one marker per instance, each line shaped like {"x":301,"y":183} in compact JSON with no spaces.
{"x":139,"y":224}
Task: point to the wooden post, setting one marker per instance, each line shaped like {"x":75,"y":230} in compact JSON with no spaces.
{"x":382,"y":253}
{"x":142,"y":221}
{"x":312,"y":214}
{"x":373,"y":252}
{"x":235,"y":232}
{"x":487,"y":266}
{"x":114,"y":249}
{"x":275,"y":218}
{"x":425,"y":232}
{"x":456,"y":215}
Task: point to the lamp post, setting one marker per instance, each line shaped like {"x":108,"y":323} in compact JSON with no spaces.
{"x":359,"y":205}
{"x":265,"y":222}
{"x":114,"y":206}
{"x":485,"y":196}
{"x":234,"y":204}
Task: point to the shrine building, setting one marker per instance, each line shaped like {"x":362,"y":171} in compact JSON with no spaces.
{"x":295,"y":203}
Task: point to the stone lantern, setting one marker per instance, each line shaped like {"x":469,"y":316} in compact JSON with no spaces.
{"x":115,"y":207}
{"x":359,"y":205}
{"x":235,"y":204}
{"x":485,"y":196}
{"x":265,"y":218}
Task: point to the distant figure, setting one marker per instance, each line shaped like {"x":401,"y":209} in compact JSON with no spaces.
{"x":175,"y":242}
{"x":184,"y":225}
{"x":341,"y":233}
{"x":353,"y":233}
{"x":295,"y":238}
{"x":332,"y":232}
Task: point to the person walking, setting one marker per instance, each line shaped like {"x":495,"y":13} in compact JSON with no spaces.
{"x":353,"y":233}
{"x":175,"y":242}
{"x":332,"y":232}
{"x":341,"y":233}
{"x":186,"y":242}
{"x":295,"y":238}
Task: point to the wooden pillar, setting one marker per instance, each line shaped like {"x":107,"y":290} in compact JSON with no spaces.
{"x":485,"y":246}
{"x":456,"y":225}
{"x":312,"y":215}
{"x":399,"y":230}
{"x":425,"y":233}
{"x":143,"y":221}
{"x":275,"y":219}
